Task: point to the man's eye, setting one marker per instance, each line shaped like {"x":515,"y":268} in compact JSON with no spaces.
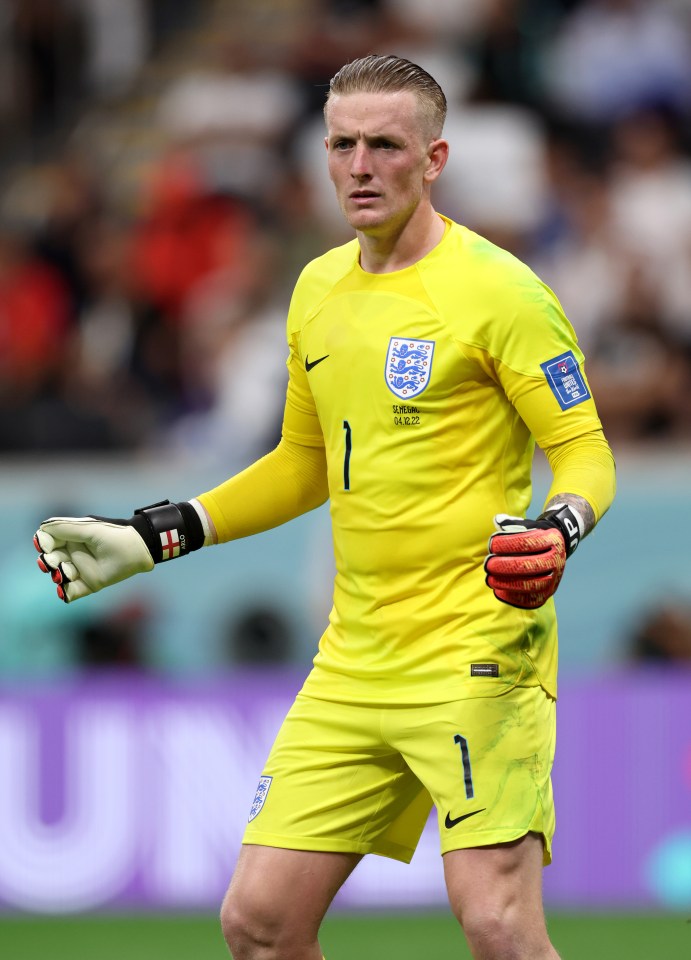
{"x":341,"y":144}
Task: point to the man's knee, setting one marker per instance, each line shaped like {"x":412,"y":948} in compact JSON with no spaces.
{"x":255,"y":922}
{"x":503,"y":934}
{"x":496,"y":894}
{"x":244,"y":928}
{"x":499,"y":934}
{"x":277,"y":899}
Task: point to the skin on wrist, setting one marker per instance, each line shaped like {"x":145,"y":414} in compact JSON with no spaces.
{"x":578,"y":503}
{"x":210,"y":534}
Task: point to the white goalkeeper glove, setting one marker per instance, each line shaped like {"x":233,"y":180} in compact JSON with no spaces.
{"x":85,"y":554}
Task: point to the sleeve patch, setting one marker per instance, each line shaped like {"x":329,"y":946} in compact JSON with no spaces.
{"x":566,"y":380}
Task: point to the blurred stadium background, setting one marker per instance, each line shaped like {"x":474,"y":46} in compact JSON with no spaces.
{"x":161,"y":184}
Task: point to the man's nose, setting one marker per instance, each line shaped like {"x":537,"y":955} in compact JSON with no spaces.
{"x":360,"y":166}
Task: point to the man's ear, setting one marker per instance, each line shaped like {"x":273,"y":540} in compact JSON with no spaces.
{"x":437,"y":155}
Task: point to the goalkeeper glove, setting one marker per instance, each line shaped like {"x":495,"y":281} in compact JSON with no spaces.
{"x":86,"y":554}
{"x":527,"y":557}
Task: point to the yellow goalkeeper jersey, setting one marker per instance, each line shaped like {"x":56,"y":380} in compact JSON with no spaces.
{"x":429,"y":387}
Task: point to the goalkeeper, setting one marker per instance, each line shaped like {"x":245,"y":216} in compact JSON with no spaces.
{"x":424,"y":364}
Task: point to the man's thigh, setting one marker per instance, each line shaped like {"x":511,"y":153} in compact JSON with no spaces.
{"x":332,"y":783}
{"x":487,"y":764}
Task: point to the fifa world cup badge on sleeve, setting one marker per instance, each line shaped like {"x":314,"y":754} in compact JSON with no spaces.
{"x":259,"y":797}
{"x":408,"y":366}
{"x":566,"y":380}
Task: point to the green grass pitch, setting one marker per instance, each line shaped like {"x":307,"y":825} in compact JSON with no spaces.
{"x":403,"y":936}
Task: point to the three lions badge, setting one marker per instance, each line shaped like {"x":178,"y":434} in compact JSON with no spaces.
{"x":408,"y":366}
{"x":259,"y":797}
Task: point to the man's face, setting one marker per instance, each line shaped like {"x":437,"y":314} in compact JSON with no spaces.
{"x":379,"y":158}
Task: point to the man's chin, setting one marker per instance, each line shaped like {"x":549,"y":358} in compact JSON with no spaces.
{"x":365,"y":220}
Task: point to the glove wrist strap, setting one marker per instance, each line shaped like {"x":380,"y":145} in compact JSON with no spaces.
{"x":169,"y":530}
{"x":568,"y":521}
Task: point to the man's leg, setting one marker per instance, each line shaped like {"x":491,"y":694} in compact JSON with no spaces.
{"x":277,"y":899}
{"x":496,"y":894}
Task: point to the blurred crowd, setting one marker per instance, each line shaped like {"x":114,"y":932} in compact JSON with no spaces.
{"x":143,"y":291}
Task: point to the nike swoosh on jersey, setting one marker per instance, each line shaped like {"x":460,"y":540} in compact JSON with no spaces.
{"x":448,"y":823}
{"x":313,"y":363}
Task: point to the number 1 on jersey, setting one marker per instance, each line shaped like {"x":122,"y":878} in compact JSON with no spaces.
{"x":346,"y":458}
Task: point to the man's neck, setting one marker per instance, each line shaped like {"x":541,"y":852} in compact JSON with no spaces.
{"x":396,"y":250}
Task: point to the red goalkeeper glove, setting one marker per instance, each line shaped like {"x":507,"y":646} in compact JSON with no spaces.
{"x":527,"y":557}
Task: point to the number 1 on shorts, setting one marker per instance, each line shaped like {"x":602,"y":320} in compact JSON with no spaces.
{"x":467,"y":772}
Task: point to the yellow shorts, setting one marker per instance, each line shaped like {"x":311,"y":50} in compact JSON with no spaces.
{"x":362,"y":779}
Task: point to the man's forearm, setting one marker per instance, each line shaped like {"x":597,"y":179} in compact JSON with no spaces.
{"x":584,"y":477}
{"x":289,"y":481}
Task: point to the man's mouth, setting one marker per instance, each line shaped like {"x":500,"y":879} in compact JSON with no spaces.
{"x":363,"y":195}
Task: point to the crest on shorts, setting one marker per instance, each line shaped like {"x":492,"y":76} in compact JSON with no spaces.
{"x":259,"y":797}
{"x":408,"y":366}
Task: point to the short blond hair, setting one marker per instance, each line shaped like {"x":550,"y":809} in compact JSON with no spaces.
{"x":390,"y":74}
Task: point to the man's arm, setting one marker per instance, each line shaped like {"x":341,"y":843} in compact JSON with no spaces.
{"x":289,"y":481}
{"x":527,"y":557}
{"x":85,"y":554}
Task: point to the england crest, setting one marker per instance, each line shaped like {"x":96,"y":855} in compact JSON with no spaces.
{"x":259,"y":797}
{"x":408,"y":366}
